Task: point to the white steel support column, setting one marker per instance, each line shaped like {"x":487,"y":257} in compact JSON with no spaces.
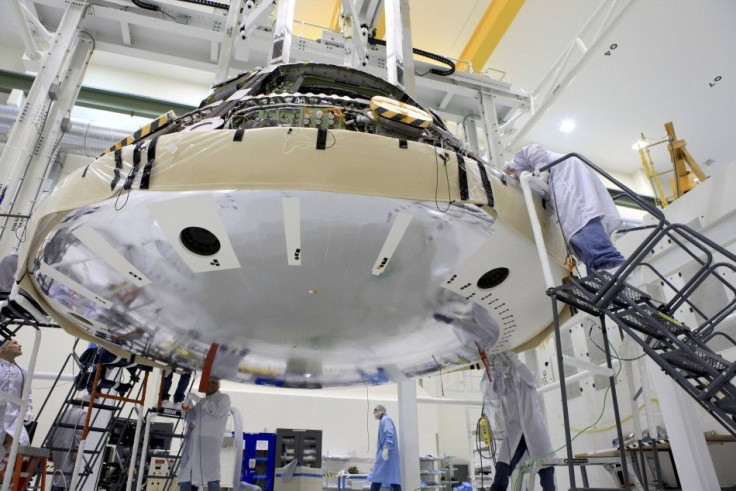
{"x":490,"y":127}
{"x":399,"y":54}
{"x":234,"y":15}
{"x":694,"y":464}
{"x":684,"y":430}
{"x":471,"y":133}
{"x":31,"y":184}
{"x":408,"y":434}
{"x":26,"y":132}
{"x":580,"y":353}
{"x":282,"y":33}
{"x":32,"y":50}
{"x":356,"y":37}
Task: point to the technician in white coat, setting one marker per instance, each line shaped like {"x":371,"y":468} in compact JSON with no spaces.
{"x":200,"y":455}
{"x":65,"y":440}
{"x":586,"y":211}
{"x":514,"y":396}
{"x":12,"y":378}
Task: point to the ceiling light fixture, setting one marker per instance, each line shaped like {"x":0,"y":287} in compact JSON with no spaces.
{"x":639,"y":144}
{"x":567,"y":126}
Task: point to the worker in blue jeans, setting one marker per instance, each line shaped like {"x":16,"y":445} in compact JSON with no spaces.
{"x":586,"y":212}
{"x":182,"y":387}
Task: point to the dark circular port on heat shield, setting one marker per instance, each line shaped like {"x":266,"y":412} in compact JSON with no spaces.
{"x":200,"y":241}
{"x":493,"y":278}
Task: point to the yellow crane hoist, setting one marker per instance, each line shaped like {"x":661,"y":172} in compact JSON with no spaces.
{"x":687,"y":172}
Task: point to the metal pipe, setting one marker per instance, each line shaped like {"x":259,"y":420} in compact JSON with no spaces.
{"x":536,"y":229}
{"x":81,"y":138}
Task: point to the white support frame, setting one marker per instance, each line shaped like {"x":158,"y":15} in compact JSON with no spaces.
{"x":491,"y":128}
{"x":408,"y":434}
{"x":356,"y":37}
{"x":225,"y":57}
{"x":25,"y":135}
{"x":280,"y":51}
{"x":399,"y":54}
{"x":40,"y":163}
{"x":258,"y":13}
{"x":33,"y":51}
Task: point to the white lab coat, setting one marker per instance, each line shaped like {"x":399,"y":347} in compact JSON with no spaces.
{"x":577,"y":193}
{"x":513,"y":393}
{"x":200,"y":456}
{"x":67,"y":438}
{"x":12,"y":378}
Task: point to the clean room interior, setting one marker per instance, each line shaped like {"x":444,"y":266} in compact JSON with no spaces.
{"x":600,"y":79}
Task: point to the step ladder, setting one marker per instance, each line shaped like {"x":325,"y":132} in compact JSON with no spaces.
{"x":83,"y":414}
{"x":29,"y":461}
{"x":682,"y":351}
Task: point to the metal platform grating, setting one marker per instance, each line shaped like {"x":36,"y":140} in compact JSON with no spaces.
{"x":636,"y":318}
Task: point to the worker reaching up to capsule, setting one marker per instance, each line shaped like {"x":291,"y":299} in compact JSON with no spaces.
{"x":200,"y":455}
{"x":585,"y":210}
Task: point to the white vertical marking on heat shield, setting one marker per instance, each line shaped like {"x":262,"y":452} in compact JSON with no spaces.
{"x":292,"y":230}
{"x":199,"y":210}
{"x":73,"y":285}
{"x":107,"y":253}
{"x":401,"y":223}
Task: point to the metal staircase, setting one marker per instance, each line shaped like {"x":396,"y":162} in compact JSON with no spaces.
{"x":676,"y":315}
{"x":683,"y":351}
{"x":84,"y":414}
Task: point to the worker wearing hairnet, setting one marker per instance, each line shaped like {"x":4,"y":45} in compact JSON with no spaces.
{"x":12,"y":379}
{"x":386,"y":472}
{"x":513,"y":394}
{"x":584,"y":208}
{"x":200,"y":454}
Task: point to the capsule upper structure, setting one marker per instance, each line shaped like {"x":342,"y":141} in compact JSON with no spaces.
{"x":307,"y":226}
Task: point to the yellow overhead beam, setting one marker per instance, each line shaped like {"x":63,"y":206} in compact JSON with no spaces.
{"x":381,"y":26}
{"x":335,"y":18}
{"x":489,"y":31}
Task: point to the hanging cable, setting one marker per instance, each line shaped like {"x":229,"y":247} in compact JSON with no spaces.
{"x":426,"y":54}
{"x":208,"y":3}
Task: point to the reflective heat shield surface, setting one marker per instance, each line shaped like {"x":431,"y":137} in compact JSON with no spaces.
{"x":326,"y":319}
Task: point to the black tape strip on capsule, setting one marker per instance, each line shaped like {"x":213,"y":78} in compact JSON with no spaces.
{"x":146,"y":177}
{"x":134,"y":170}
{"x":321,"y":139}
{"x":486,"y":183}
{"x":118,"y":168}
{"x":462,"y":176}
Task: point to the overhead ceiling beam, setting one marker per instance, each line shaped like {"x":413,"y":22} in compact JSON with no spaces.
{"x":489,"y":31}
{"x":381,"y":26}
